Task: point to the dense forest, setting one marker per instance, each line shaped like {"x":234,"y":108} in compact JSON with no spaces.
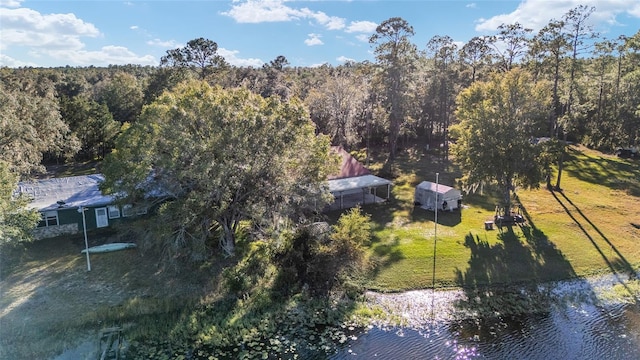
{"x":586,"y":89}
{"x":407,"y":95}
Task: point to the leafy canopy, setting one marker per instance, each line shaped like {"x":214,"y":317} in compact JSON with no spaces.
{"x":396,"y":55}
{"x":498,"y":120}
{"x":200,"y":55}
{"x":16,"y":222}
{"x":30,"y":124}
{"x":221,"y":157}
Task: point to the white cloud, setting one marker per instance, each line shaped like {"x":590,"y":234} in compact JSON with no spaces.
{"x":10,"y":3}
{"x":314,"y":39}
{"x":134,"y":27}
{"x":26,"y":27}
{"x":39,"y":41}
{"x":363,"y":38}
{"x":344,"y":59}
{"x":259,"y":11}
{"x":231,"y":56}
{"x":107,"y":55}
{"x":362,"y":27}
{"x":11,"y":62}
{"x":168,"y":44}
{"x":471,"y":5}
{"x":535,"y":14}
{"x":58,"y":38}
{"x":27,"y":20}
{"x":329,"y":22}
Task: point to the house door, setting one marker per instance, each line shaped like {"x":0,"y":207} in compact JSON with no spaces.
{"x":102,"y":218}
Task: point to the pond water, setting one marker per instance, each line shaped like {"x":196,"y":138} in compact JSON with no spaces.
{"x":577,"y":325}
{"x":583,"y":332}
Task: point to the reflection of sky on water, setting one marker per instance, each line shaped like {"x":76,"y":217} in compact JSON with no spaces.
{"x":581,"y":324}
{"x":572,"y":332}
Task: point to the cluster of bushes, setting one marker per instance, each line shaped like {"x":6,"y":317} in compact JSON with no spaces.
{"x":286,"y":298}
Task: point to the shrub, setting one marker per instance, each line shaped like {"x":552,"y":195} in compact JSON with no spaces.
{"x":326,"y":261}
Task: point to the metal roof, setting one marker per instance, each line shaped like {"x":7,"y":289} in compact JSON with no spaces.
{"x":350,"y":166}
{"x":66,"y":192}
{"x":442,"y":189}
{"x":358,"y":182}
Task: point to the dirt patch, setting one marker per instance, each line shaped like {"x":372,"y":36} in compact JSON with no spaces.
{"x":49,"y":301}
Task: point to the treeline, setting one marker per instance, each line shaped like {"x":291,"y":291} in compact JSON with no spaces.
{"x":408,"y":94}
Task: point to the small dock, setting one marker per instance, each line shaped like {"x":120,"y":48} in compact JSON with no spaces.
{"x":110,"y":342}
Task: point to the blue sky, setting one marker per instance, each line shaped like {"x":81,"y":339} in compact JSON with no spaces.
{"x":252,"y":32}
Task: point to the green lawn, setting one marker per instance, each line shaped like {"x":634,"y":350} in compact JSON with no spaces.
{"x":586,"y":229}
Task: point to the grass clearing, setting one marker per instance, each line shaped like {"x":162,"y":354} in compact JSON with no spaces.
{"x":49,"y":301}
{"x":586,"y":229}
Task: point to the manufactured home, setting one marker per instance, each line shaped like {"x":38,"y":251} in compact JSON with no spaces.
{"x":61,"y":202}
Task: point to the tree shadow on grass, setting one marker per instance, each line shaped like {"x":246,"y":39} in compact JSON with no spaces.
{"x":502,"y":283}
{"x":619,"y":265}
{"x":445,"y":218}
{"x":554,"y":264}
{"x":487,"y":200}
{"x":614,"y":173}
{"x":385,"y":255}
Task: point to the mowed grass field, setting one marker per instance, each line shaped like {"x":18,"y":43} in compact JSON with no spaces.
{"x":590,"y":227}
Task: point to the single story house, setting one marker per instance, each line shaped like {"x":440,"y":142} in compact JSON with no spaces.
{"x":62,"y":200}
{"x":430,"y":196}
{"x":355,"y":184}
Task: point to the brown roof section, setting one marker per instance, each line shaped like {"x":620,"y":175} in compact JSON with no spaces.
{"x":350,"y":166}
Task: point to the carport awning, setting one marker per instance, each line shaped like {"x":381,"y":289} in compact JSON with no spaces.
{"x":358,"y":182}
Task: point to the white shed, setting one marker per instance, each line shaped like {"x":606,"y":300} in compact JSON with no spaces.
{"x":448,"y":198}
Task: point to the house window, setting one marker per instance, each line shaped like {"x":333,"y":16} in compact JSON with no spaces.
{"x":130,"y":210}
{"x":49,"y":218}
{"x":127,"y":210}
{"x":114,"y":212}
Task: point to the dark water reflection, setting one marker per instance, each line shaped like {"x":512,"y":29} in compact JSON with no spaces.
{"x":582,"y":331}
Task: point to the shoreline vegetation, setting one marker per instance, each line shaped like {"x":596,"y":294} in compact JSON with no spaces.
{"x":579,"y":244}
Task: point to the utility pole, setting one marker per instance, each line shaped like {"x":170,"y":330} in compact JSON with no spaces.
{"x":435,"y":240}
{"x":435,"y":230}
{"x":82,"y":209}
